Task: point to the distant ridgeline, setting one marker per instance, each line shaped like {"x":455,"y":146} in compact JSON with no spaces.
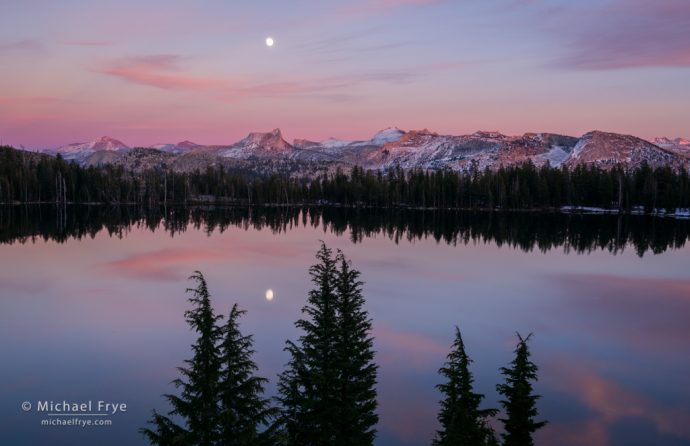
{"x":527,"y":231}
{"x":27,"y":177}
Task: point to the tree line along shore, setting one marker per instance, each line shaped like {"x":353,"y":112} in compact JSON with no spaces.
{"x":30,"y":178}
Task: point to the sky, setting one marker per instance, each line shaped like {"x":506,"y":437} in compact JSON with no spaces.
{"x":166,"y":71}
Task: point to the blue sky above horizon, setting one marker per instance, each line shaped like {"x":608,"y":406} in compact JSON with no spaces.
{"x":165,"y":71}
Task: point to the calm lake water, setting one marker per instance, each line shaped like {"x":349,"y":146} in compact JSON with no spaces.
{"x":92,"y":303}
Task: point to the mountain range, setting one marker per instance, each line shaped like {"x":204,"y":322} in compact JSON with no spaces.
{"x":262,"y":153}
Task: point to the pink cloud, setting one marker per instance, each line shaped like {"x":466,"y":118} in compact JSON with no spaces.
{"x":164,"y":71}
{"x":610,"y":402}
{"x":160,"y":71}
{"x":164,"y":264}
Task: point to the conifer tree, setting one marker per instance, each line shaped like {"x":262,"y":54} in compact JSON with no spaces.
{"x":463,"y":423}
{"x":306,"y":388}
{"x":520,"y":403}
{"x":355,"y":356}
{"x":327,"y":390}
{"x":243,"y":410}
{"x":197,"y":405}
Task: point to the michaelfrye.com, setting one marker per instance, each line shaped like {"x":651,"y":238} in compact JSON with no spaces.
{"x":75,"y":413}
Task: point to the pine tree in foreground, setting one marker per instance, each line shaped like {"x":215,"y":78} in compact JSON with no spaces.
{"x":243,"y":410}
{"x":355,"y":356}
{"x":220,"y":402}
{"x":327,"y":391}
{"x":197,"y":405}
{"x":463,"y":423}
{"x":520,"y":402}
{"x":306,"y":388}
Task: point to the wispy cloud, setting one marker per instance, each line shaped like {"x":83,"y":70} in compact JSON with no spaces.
{"x":160,"y":71}
{"x":623,"y":34}
{"x":165,"y":71}
{"x":21,"y":45}
{"x":164,"y":264}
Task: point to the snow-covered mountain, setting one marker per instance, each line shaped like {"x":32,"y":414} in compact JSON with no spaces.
{"x":668,"y":142}
{"x":429,"y":150}
{"x":610,"y":149}
{"x":679,"y":146}
{"x":80,"y":151}
{"x":258,"y":145}
{"x":180,"y":147}
{"x":349,"y":152}
{"x":261,"y":153}
{"x":390,"y":134}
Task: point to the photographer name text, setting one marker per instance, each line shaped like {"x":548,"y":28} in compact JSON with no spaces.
{"x":81,"y":408}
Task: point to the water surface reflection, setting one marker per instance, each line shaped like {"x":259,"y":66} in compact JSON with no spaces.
{"x":91,"y":305}
{"x":581,"y":233}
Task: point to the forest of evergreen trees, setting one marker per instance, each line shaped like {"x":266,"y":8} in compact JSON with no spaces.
{"x":327,"y":392}
{"x":29,"y":177}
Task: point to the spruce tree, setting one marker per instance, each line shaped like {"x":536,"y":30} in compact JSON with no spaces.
{"x":327,"y":391}
{"x":355,"y":356}
{"x":520,"y":403}
{"x":306,"y":388}
{"x":463,"y":423}
{"x":197,"y":405}
{"x":243,"y":410}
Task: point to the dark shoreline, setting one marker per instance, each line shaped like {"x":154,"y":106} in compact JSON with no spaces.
{"x":586,"y":210}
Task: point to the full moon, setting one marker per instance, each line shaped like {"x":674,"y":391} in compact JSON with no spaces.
{"x":269,"y":43}
{"x":269,"y":294}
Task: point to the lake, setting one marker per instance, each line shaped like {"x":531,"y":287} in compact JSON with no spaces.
{"x":92,"y":302}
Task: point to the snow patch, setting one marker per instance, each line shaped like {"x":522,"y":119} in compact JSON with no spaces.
{"x":390,"y":134}
{"x":579,"y":147}
{"x":555,"y":156}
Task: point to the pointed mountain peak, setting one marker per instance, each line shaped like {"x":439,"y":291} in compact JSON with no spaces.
{"x":272,"y":141}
